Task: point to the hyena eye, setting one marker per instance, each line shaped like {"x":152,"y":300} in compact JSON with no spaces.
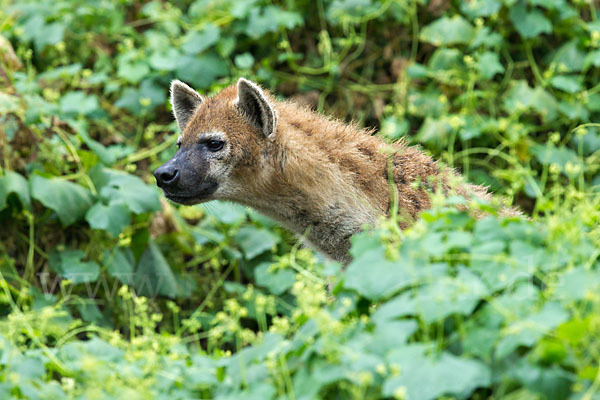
{"x":215,"y":145}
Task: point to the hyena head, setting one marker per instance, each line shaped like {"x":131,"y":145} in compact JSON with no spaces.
{"x":223,"y":140}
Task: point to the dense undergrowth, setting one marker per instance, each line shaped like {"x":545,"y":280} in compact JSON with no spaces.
{"x":108,"y":291}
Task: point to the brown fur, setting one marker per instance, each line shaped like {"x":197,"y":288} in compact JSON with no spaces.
{"x":319,"y":177}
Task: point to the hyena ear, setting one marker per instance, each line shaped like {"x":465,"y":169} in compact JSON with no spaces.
{"x":184,"y":101}
{"x":254,"y":105}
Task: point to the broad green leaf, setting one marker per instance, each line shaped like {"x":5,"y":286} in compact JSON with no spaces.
{"x":348,"y":10}
{"x":69,"y":200}
{"x":196,"y":42}
{"x":255,"y":241}
{"x":119,"y":264}
{"x":569,"y":58}
{"x":589,"y":142}
{"x":154,"y":276}
{"x":201,"y":71}
{"x":434,"y":131}
{"x":445,"y":296}
{"x":106,"y":156}
{"x":550,"y":154}
{"x":139,"y":101}
{"x":277,"y":281}
{"x":447,"y":31}
{"x":244,"y":61}
{"x":486,"y":38}
{"x":69,"y":264}
{"x":117,"y":187}
{"x":427,"y":103}
{"x":13,"y":182}
{"x":133,"y":71}
{"x":383,"y":277}
{"x":111,"y":218}
{"x":527,"y":331}
{"x":574,"y":110}
{"x":569,"y":84}
{"x":577,"y":284}
{"x":480,"y":8}
{"x":42,"y":33}
{"x":67,"y":71}
{"x":521,"y":98}
{"x":488,"y":65}
{"x":91,"y":313}
{"x":270,"y":19}
{"x":454,"y":375}
{"x":165,"y":60}
{"x":529,"y":23}
{"x":592,"y":59}
{"x":79,"y":103}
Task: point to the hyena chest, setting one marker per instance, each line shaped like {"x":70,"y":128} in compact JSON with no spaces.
{"x":329,"y":230}
{"x":326,"y":228}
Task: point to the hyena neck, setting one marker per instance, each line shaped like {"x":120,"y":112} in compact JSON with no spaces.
{"x":325,"y":226}
{"x":310,"y":195}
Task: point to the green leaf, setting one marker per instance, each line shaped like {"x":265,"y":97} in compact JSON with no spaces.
{"x":447,"y":31}
{"x":549,"y":154}
{"x":527,"y":331}
{"x":271,"y":19}
{"x":488,"y":65}
{"x":340,"y":11}
{"x":480,"y":8}
{"x":90,"y":312}
{"x":529,"y":24}
{"x":434,"y":131}
{"x":577,"y":284}
{"x":522,"y":98}
{"x":592,"y":59}
{"x":79,"y":103}
{"x":13,"y":182}
{"x":427,"y":103}
{"x":142,"y":100}
{"x":277,"y":281}
{"x":165,"y":60}
{"x":446,"y":296}
{"x":42,"y":33}
{"x":195,"y":42}
{"x":454,"y":375}
{"x":569,"y":58}
{"x":68,"y":200}
{"x":154,"y":276}
{"x":132,"y":71}
{"x":384,"y":277}
{"x":255,"y":241}
{"x":117,"y":187}
{"x":446,"y":60}
{"x":119,"y":264}
{"x":244,"y":61}
{"x":105,"y":155}
{"x":201,"y":71}
{"x":569,"y":84}
{"x":111,"y":218}
{"x":69,"y":265}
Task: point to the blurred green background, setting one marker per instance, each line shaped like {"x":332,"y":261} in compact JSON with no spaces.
{"x":109,"y":291}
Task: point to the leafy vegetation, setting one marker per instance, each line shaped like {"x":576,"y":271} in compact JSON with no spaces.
{"x":109,"y":291}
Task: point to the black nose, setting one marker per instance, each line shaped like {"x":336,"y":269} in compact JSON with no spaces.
{"x":166,"y":175}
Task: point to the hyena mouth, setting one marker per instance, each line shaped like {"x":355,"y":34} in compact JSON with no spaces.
{"x":185,"y":200}
{"x":203,"y":193}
